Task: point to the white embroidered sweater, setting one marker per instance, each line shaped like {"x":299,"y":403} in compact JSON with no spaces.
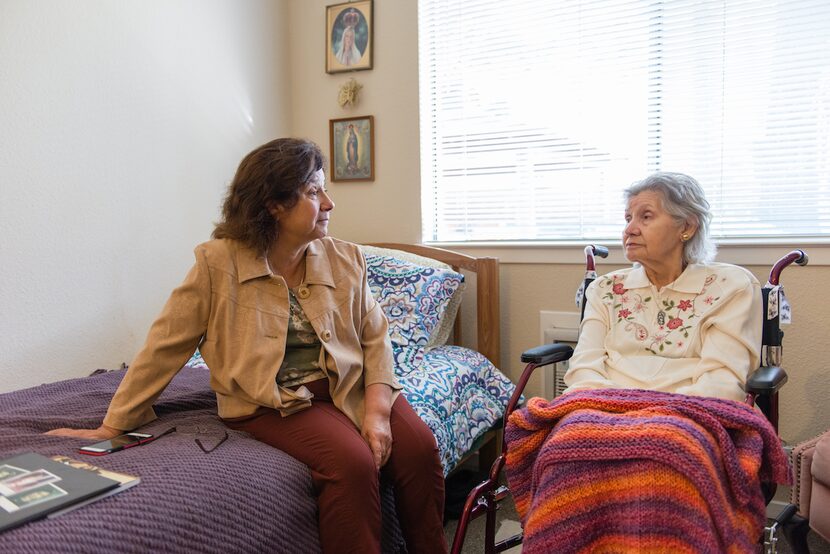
{"x":700,"y":335}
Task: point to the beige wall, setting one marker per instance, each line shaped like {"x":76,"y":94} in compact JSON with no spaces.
{"x":389,"y":208}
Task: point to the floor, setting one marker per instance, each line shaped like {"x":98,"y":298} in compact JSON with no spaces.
{"x":507,"y":524}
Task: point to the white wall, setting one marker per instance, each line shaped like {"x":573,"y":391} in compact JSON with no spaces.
{"x":121,"y":124}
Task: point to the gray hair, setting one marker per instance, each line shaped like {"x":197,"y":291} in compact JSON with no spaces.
{"x":683,"y":199}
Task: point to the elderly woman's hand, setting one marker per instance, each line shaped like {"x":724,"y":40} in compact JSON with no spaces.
{"x":377,"y":431}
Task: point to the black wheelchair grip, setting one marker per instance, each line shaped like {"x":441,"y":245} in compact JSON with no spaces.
{"x":547,"y":354}
{"x":787,"y":513}
{"x":766,"y":380}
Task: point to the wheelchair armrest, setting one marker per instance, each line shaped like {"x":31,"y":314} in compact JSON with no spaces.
{"x":766,"y":381}
{"x":547,"y":354}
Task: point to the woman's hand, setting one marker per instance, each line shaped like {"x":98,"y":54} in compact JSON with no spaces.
{"x":377,"y":431}
{"x":378,"y":434}
{"x":101,"y":433}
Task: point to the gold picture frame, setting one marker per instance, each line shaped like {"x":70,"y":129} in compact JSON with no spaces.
{"x":349,"y":29}
{"x":352,"y":144}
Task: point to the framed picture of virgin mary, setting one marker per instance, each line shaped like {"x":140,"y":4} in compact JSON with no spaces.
{"x":349,"y":36}
{"x":352,"y":142}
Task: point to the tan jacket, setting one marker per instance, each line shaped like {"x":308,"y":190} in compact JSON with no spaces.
{"x":236,"y":312}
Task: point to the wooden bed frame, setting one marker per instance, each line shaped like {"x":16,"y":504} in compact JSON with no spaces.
{"x":487,"y":321}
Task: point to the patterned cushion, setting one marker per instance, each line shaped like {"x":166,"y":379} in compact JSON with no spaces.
{"x":445,"y":329}
{"x":413,"y":297}
{"x":406,"y":358}
{"x":458,"y":393}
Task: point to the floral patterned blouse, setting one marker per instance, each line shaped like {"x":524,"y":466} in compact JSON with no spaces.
{"x":700,"y":335}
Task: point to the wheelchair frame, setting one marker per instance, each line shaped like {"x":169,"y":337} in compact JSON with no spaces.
{"x":762,"y":389}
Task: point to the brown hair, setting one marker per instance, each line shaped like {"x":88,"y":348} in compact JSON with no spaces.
{"x":275,"y":172}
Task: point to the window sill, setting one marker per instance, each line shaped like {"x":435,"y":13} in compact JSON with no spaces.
{"x":733,"y":252}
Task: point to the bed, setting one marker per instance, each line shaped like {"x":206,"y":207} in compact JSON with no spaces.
{"x":206,"y":488}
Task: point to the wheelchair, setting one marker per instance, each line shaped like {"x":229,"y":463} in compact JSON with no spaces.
{"x":762,"y":389}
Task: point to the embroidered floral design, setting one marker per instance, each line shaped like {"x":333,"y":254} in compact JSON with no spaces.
{"x":658,"y":342}
{"x":640,"y":331}
{"x":674,"y":318}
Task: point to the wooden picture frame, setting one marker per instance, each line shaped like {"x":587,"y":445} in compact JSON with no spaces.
{"x":352,"y":146}
{"x":349,"y":29}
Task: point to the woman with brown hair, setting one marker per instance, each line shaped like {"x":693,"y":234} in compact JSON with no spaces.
{"x":298,"y":352}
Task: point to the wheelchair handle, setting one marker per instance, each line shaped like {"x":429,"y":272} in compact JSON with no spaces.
{"x":594,"y":250}
{"x":797,"y":257}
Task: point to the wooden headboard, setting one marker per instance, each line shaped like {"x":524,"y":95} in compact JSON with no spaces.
{"x":488,"y":339}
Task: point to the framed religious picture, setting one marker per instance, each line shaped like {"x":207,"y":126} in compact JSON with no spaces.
{"x":349,"y":36}
{"x":352,"y":143}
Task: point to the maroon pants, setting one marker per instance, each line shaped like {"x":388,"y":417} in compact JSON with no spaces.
{"x":344,"y":475}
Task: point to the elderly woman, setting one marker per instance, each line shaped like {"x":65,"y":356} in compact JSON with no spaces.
{"x":298,"y":353}
{"x":650,"y":448}
{"x":676,"y":321}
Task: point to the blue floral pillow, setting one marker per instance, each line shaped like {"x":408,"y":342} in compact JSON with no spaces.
{"x":413,"y":297}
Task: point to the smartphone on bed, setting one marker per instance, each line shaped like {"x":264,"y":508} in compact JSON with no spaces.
{"x":127,"y":440}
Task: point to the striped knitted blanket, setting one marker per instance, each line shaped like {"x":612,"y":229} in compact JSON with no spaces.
{"x":641,"y":471}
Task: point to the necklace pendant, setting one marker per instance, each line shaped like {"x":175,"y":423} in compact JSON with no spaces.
{"x":661,"y":317}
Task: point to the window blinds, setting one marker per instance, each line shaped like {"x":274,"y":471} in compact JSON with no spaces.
{"x":535,"y":115}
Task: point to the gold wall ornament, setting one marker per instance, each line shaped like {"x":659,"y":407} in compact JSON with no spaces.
{"x":348,"y":93}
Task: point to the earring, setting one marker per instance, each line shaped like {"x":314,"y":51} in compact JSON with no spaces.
{"x":684,"y":237}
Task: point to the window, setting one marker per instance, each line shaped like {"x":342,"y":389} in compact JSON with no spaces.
{"x":536,"y":114}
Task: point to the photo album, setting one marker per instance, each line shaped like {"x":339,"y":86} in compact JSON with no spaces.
{"x":34,"y":486}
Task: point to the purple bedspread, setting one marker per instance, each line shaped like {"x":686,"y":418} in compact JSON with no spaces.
{"x":245,"y":496}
